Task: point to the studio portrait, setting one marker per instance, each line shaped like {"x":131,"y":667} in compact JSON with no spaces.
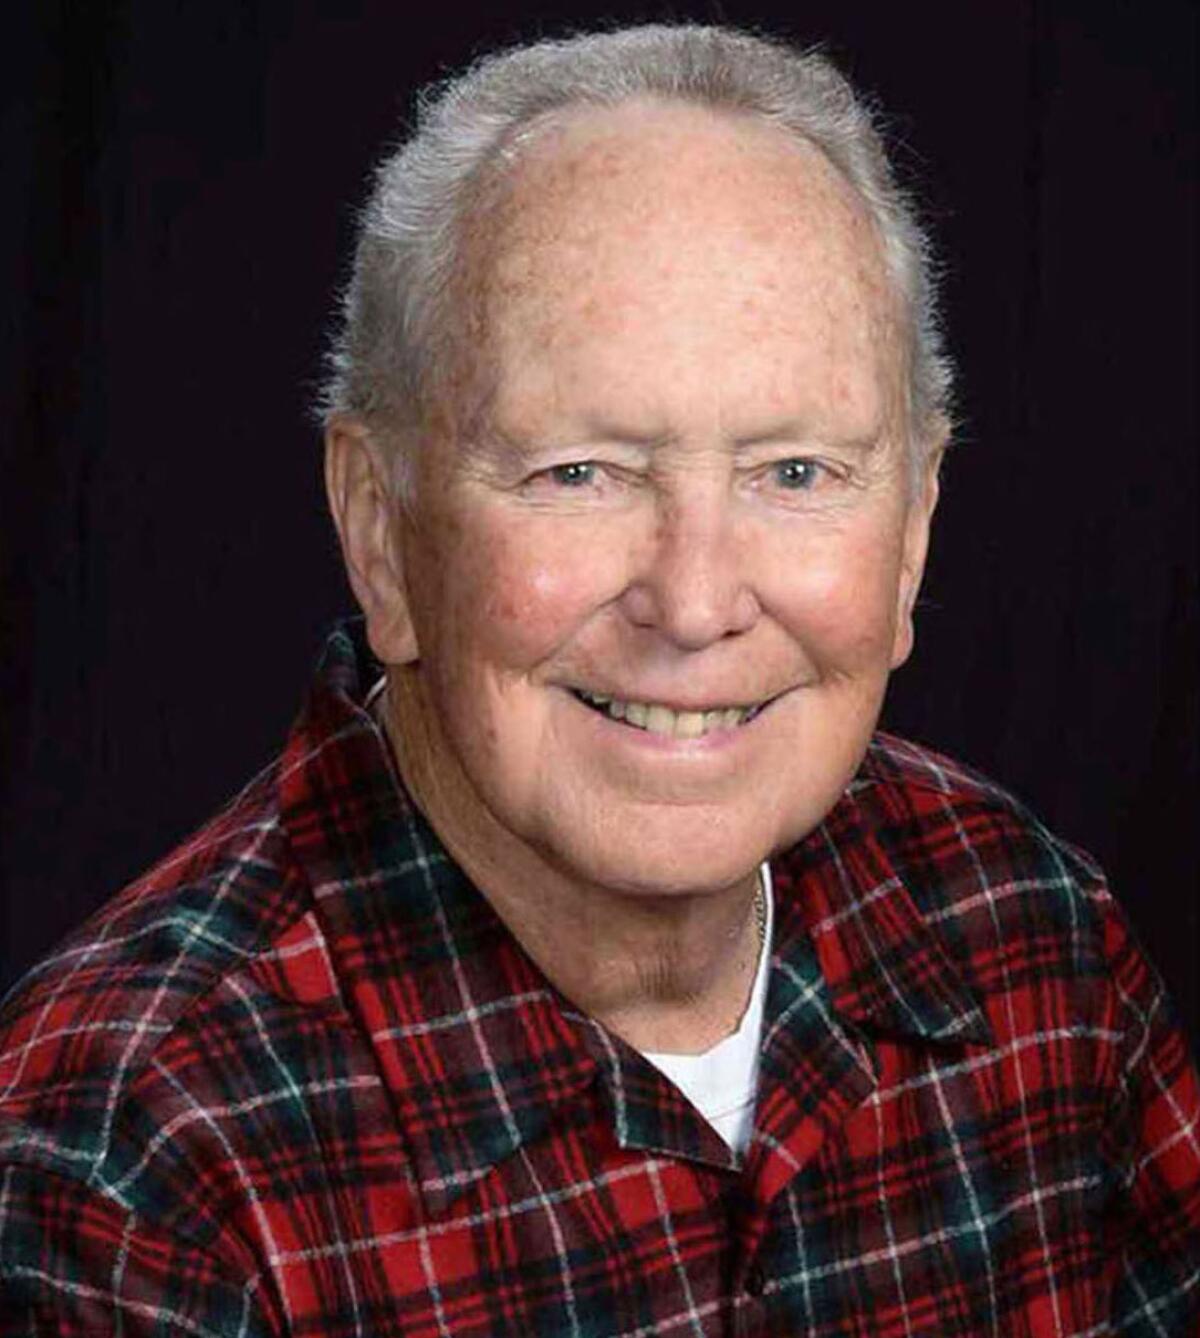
{"x":599,"y":687}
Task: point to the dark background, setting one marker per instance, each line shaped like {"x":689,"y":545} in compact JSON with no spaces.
{"x":179,"y":182}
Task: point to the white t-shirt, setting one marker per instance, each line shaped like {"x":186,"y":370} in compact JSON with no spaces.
{"x":722,"y":1082}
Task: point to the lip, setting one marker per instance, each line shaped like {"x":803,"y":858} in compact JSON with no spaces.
{"x":617,"y":732}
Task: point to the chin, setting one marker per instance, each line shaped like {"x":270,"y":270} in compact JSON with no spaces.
{"x":698,"y":854}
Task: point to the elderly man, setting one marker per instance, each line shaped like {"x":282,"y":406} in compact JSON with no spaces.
{"x":587,"y":965}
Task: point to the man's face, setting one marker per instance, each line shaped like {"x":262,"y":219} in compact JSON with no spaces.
{"x":685,"y":504}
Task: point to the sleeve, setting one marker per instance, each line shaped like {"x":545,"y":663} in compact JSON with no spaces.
{"x":73,"y":1262}
{"x":1151,"y":1146}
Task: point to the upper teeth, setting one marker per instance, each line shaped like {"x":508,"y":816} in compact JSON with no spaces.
{"x":659,"y":719}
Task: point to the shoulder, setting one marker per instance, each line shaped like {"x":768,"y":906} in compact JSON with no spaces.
{"x":79,"y":1031}
{"x":954,"y":831}
{"x":1021,"y":912}
{"x":1015,"y":905}
{"x":907,"y":779}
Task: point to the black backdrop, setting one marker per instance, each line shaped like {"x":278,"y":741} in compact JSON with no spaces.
{"x":178,"y":190}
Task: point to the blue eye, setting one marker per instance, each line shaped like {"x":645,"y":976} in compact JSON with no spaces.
{"x":575,"y":474}
{"x":796,"y":475}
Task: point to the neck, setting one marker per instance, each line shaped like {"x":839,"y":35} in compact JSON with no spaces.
{"x":666,"y":971}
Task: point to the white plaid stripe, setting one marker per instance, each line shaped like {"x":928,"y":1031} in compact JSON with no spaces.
{"x":654,"y":1174}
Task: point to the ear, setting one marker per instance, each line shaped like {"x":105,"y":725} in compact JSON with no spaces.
{"x":357,"y":482}
{"x":915,"y":549}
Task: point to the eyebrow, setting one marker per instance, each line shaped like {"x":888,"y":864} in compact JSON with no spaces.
{"x":582,"y":435}
{"x":793,"y":431}
{"x":591,"y":431}
{"x":802,"y":432}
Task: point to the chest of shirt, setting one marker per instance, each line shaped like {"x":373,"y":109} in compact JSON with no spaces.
{"x":917,"y":1192}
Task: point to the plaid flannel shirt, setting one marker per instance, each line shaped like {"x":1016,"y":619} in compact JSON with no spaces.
{"x":299,"y":1079}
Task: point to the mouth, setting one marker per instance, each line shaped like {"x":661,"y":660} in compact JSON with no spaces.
{"x":655,"y":718}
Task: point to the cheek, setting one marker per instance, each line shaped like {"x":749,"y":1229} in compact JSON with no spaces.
{"x":520,"y":592}
{"x":842,"y":605}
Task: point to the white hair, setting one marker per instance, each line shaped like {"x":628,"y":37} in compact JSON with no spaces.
{"x":395,"y":322}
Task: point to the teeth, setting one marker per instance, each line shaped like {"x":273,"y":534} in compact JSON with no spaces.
{"x":656,"y":719}
{"x":689,"y":724}
{"x":659,"y":720}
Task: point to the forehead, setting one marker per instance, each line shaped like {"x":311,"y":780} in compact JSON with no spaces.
{"x":660,"y":232}
{"x":576,"y":163}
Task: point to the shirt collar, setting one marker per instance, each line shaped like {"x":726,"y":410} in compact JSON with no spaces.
{"x":886,"y":969}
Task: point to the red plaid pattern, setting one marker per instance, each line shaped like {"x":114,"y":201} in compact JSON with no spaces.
{"x":300,"y":1080}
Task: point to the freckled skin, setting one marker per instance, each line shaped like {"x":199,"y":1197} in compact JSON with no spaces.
{"x":684,"y":299}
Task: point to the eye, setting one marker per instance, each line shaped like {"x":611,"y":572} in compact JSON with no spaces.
{"x":796,"y":475}
{"x":574,"y":474}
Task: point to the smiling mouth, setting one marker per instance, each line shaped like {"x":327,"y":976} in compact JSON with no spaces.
{"x":655,"y":718}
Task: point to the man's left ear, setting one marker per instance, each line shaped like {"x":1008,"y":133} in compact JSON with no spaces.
{"x":916,"y":547}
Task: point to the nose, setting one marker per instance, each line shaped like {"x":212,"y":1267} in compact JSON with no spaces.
{"x":691,"y":582}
